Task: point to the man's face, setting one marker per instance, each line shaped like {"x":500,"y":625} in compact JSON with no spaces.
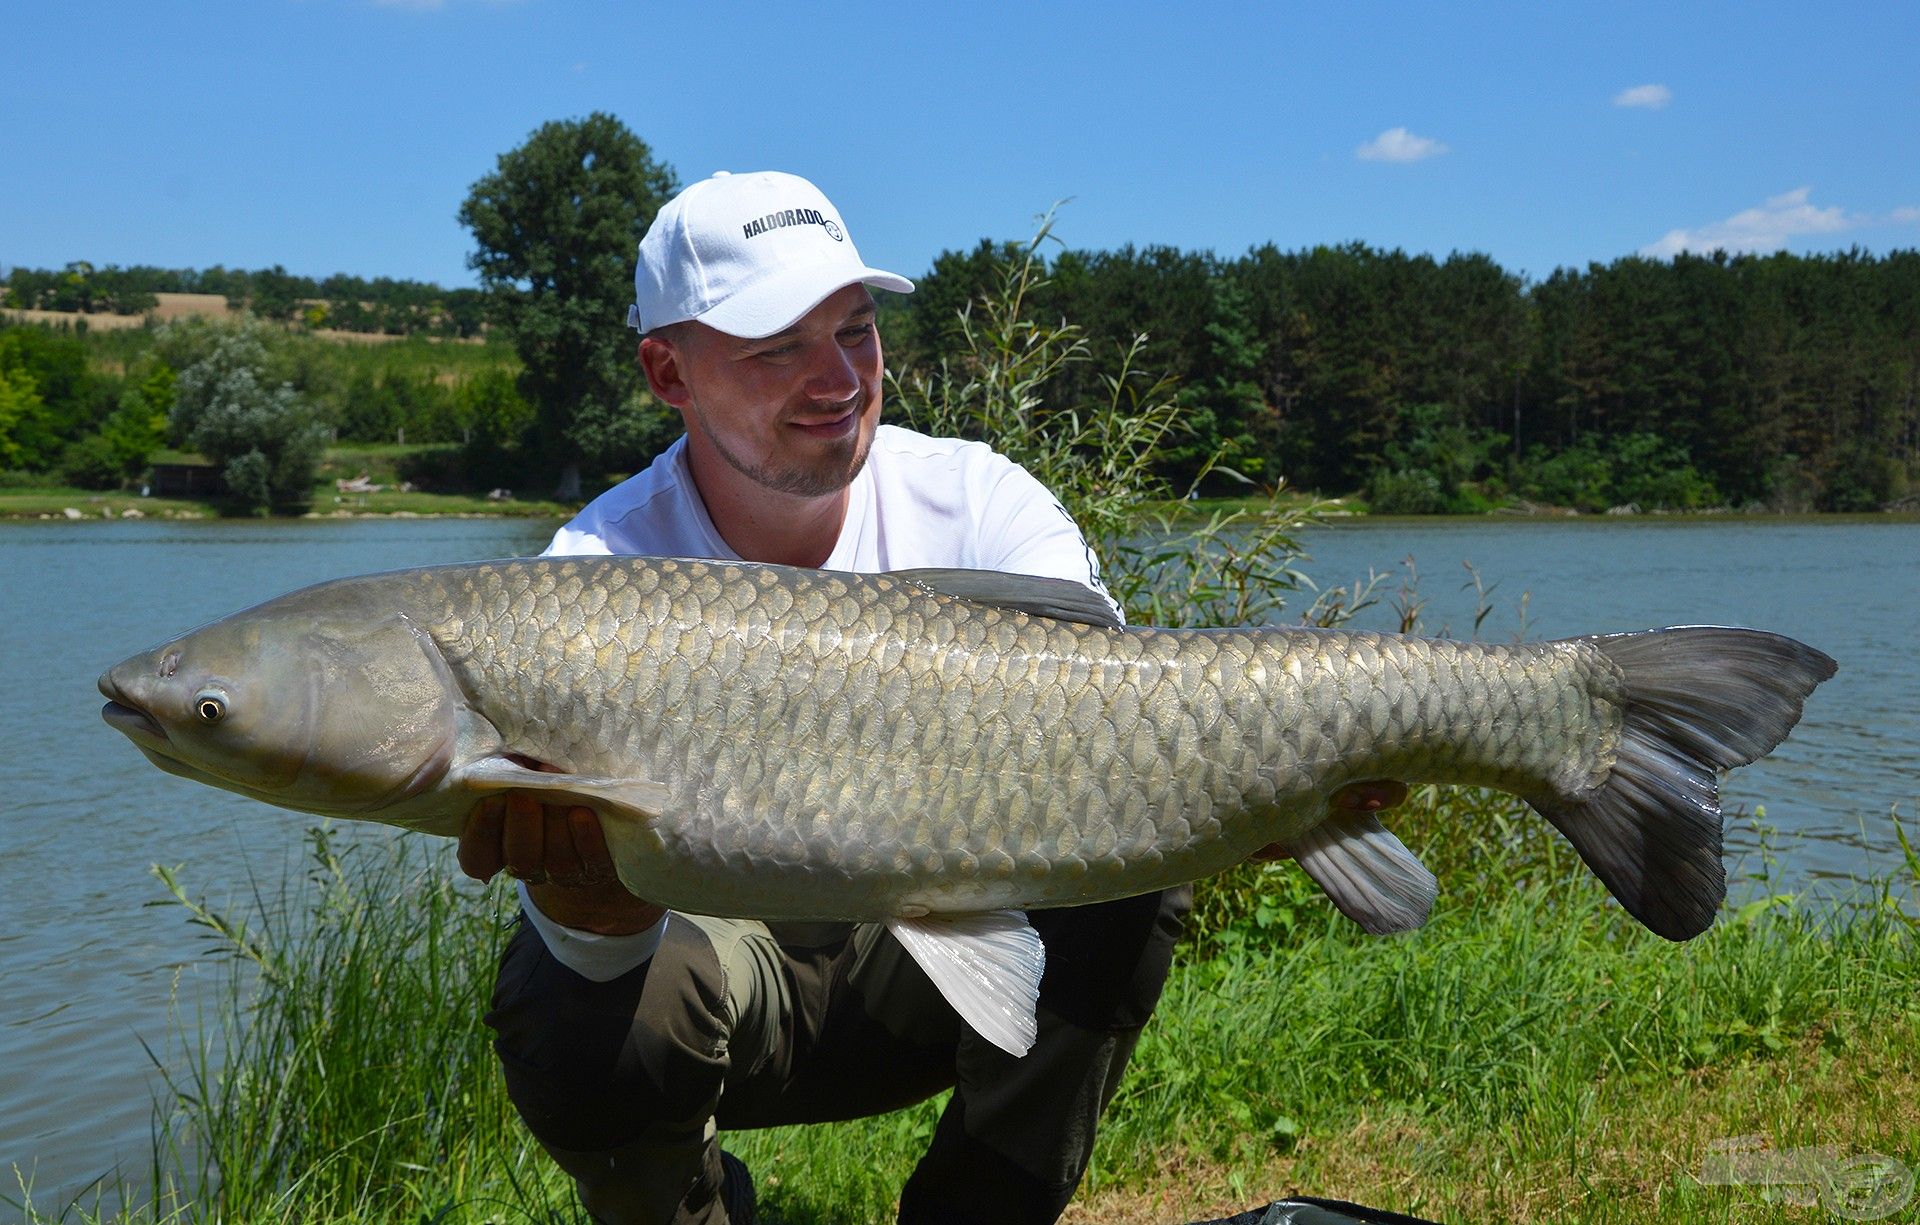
{"x":793,"y":412}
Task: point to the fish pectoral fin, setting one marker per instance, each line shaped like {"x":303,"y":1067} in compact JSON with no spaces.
{"x":1370,"y":875}
{"x":640,"y":799}
{"x":987,"y":965}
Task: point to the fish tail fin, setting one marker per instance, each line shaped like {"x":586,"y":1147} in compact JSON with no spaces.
{"x":1698,"y":699}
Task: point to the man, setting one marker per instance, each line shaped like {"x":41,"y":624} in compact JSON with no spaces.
{"x":630,"y":1037}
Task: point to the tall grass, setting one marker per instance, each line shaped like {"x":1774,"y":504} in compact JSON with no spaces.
{"x":344,"y":1073}
{"x":1531,"y":1054}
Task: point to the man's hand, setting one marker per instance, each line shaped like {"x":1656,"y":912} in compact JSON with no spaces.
{"x":561,"y":854}
{"x":1369,"y":796}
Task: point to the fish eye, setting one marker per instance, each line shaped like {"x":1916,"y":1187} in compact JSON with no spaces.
{"x":210,"y":706}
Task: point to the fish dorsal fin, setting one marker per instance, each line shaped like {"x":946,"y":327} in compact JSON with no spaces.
{"x":1370,"y":875}
{"x":988,"y":967}
{"x":1059,"y":598}
{"x":640,"y":799}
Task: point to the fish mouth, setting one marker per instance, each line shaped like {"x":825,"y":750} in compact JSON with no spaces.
{"x":136,"y":725}
{"x":128,"y":719}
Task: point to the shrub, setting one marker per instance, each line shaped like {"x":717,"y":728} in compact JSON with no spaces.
{"x":1595,"y":473}
{"x":266,"y":440}
{"x":91,"y":463}
{"x":1403,"y":492}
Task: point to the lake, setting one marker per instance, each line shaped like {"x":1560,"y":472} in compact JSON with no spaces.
{"x":92,"y":968}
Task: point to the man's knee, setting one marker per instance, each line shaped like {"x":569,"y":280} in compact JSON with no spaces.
{"x":591,"y":1066}
{"x":1107,"y":963}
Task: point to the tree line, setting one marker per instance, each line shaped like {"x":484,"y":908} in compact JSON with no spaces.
{"x":342,"y":302}
{"x":1783,"y":380}
{"x":1779,"y":381}
{"x":93,"y":410}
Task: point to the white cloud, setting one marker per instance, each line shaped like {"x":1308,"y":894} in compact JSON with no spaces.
{"x":1399,"y":145}
{"x":1647,"y":97}
{"x":1769,"y":227}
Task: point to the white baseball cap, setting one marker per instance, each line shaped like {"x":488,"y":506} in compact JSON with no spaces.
{"x":748,"y":254}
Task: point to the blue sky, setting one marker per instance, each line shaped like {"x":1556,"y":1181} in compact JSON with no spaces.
{"x":342,"y":135}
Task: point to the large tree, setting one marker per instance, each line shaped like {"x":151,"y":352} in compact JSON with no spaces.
{"x":556,"y":226}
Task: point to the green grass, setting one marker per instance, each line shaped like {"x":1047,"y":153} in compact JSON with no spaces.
{"x":52,"y":502}
{"x":1531,"y":1055}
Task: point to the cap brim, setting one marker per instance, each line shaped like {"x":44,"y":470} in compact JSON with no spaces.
{"x":778,"y":302}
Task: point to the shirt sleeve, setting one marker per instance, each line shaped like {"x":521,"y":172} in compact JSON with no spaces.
{"x":595,"y":957}
{"x":576,"y":541}
{"x":1024,"y":530}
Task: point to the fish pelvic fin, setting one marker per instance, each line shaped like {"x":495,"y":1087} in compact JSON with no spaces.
{"x":987,"y":965}
{"x":1370,"y":874}
{"x":1698,"y":699}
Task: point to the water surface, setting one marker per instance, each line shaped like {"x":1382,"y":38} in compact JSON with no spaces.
{"x":91,"y":966}
{"x":1848,"y":585}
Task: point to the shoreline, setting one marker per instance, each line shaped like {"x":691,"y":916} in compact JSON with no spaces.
{"x":41,"y":506}
{"x":53,"y":505}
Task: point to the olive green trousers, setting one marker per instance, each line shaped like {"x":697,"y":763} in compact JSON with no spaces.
{"x":737,"y":1024}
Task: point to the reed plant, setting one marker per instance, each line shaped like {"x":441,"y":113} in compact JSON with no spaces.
{"x":341,"y":1072}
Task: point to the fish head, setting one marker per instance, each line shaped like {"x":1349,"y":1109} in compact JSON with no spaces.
{"x":336,"y":714}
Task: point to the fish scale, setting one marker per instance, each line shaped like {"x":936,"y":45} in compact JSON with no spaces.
{"x":727,"y":670}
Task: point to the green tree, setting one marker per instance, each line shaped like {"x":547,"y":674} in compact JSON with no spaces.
{"x":1429,"y":472}
{"x":1229,"y":408}
{"x":117,"y":455}
{"x":492,"y":412}
{"x":266,"y":439}
{"x":556,"y":226}
{"x":26,"y":287}
{"x":60,"y":398}
{"x":277,"y":293}
{"x":462,"y":311}
{"x":367,"y":410}
{"x":20,"y":403}
{"x":138,"y":427}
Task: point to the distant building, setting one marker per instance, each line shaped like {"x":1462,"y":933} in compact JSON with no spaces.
{"x":187,"y":481}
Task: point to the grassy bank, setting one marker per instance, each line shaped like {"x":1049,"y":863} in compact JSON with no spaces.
{"x":1531,"y":1055}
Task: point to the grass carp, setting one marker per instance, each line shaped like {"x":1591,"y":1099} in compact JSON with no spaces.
{"x":939,"y":750}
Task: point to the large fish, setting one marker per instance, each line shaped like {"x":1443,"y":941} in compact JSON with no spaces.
{"x":938,"y":750}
